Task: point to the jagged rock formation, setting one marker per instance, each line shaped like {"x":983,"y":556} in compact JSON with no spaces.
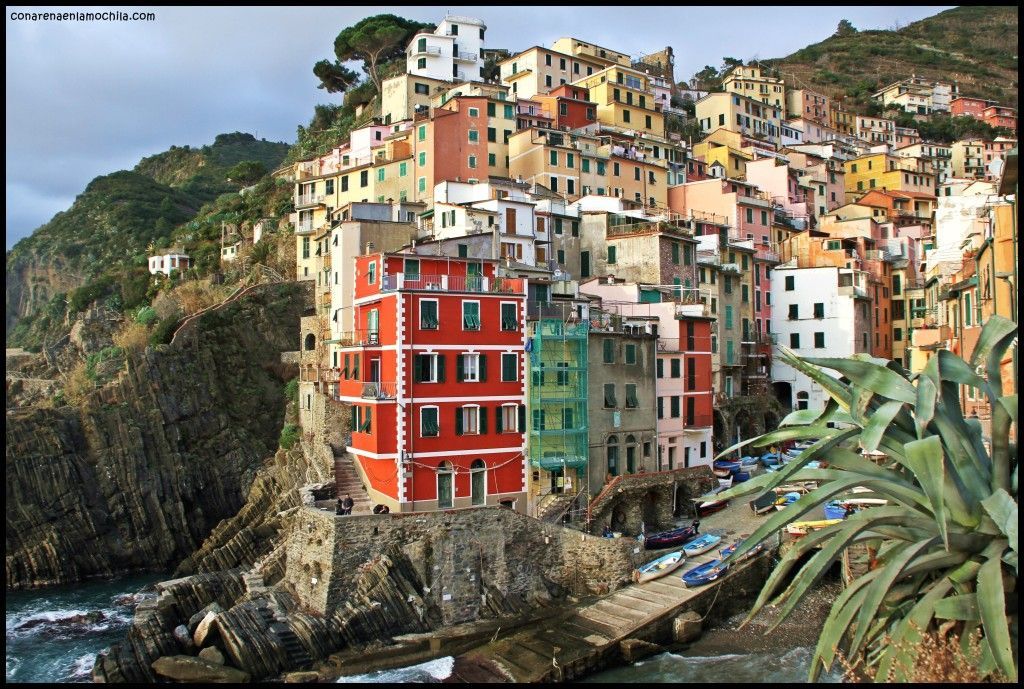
{"x":138,"y":477}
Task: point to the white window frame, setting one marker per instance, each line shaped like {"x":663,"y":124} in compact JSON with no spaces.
{"x":468,"y":429}
{"x":466,"y":359}
{"x":514,"y":426}
{"x":438,"y":411}
{"x":479,"y":316}
{"x":501,"y":308}
{"x":437,"y":310}
{"x":433,"y":366}
{"x":516,"y":368}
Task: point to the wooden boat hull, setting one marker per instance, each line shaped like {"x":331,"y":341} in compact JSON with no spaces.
{"x":804,"y":527}
{"x":704,"y":574}
{"x":670,"y":539}
{"x":727,"y":551}
{"x":763,"y":504}
{"x":711,"y":506}
{"x":701,"y":545}
{"x":666,"y":564}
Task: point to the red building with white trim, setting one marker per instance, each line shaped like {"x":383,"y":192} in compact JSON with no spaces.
{"x":434,"y":374}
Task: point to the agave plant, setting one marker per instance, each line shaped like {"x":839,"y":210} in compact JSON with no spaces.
{"x":946,"y":539}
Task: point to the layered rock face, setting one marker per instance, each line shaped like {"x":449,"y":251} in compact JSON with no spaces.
{"x":136,"y":479}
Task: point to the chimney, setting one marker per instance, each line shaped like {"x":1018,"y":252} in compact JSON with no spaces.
{"x":370,"y":247}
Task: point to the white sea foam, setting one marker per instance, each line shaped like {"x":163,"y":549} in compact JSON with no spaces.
{"x":82,"y":667}
{"x":432,"y":670}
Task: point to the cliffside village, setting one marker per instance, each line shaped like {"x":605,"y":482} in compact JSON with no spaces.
{"x":528,"y":287}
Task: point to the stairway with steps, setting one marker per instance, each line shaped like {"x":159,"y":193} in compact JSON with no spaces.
{"x":554,"y":507}
{"x":347,"y":481}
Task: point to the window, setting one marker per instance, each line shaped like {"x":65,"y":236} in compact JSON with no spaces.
{"x":422,"y":184}
{"x":492,"y":134}
{"x":728,"y":316}
{"x":794,"y":340}
{"x":631,"y":399}
{"x":305,"y":249}
{"x":612,"y":455}
{"x":421,"y":63}
{"x":509,"y":115}
{"x":509,"y":319}
{"x":609,"y":396}
{"x":553,"y":156}
{"x":538,"y":420}
{"x":470,"y":420}
{"x":790,"y":283}
{"x":329,"y":186}
{"x":611,"y":254}
{"x":472,"y":162}
{"x":745,"y":290}
{"x":674,"y":407}
{"x":509,"y":367}
{"x":371,"y":273}
{"x":750,"y":215}
{"x":492,"y":159}
{"x":428,"y":422}
{"x":471,"y":368}
{"x":661,"y":368}
{"x":819,"y":309}
{"x":507,"y":420}
{"x":609,"y":351}
{"x":428,"y":314}
{"x":794,"y":312}
{"x":429,"y":368}
{"x":474,"y":136}
{"x":764,"y":219}
{"x":661,"y":407}
{"x":676,"y":368}
{"x":675,"y":253}
{"x":630,"y":353}
{"x":470,"y":315}
{"x":819,"y":340}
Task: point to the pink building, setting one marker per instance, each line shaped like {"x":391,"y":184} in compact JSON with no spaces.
{"x":968,"y":107}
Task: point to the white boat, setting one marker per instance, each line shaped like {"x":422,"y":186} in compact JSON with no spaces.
{"x":660,"y":567}
{"x":701,"y":544}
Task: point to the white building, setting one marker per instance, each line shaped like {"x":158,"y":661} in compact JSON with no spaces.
{"x":817,"y":312}
{"x":453,"y":52}
{"x":165,"y":264}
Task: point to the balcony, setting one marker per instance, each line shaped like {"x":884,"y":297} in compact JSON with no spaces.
{"x":453,"y":283}
{"x":731,"y":268}
{"x":304,"y":226}
{"x":380,"y":391}
{"x":461,"y":56}
{"x":359,"y":338}
{"x":308,"y":200}
{"x":428,"y":50}
{"x":458,"y":75}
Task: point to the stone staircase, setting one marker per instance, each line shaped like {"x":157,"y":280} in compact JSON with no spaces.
{"x":347,"y":481}
{"x":554,"y":506}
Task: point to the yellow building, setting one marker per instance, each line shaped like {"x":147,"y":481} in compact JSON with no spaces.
{"x":843,"y":121}
{"x":537,"y":70}
{"x":741,"y":115}
{"x":570,"y":166}
{"x":887,"y":172}
{"x":624,"y":99}
{"x":725,"y":148}
{"x":753,"y":82}
{"x":968,"y":158}
{"x":578,"y":48}
{"x":402,"y":94}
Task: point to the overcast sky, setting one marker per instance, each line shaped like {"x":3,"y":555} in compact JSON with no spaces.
{"x":88,"y":98}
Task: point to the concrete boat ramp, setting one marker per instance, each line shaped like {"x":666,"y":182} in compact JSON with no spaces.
{"x":622,"y":627}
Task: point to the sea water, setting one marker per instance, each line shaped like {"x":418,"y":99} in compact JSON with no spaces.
{"x":54,"y":634}
{"x":788,"y":667}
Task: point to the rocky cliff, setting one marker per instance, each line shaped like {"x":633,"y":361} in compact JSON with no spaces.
{"x":137,"y":478}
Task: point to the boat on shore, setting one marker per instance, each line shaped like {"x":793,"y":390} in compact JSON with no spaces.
{"x":666,"y":564}
{"x":730,"y":465}
{"x":802,"y":528}
{"x":763,"y":503}
{"x":670,"y":539}
{"x":730,"y":549}
{"x":704,"y":574}
{"x":702,"y":544}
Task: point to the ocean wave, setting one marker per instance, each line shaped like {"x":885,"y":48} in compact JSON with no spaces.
{"x":431,"y":671}
{"x":64,"y":623}
{"x":82,"y":667}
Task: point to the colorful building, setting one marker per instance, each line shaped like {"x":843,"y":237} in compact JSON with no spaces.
{"x":808,"y":105}
{"x":453,"y":51}
{"x":536,"y":71}
{"x":625,"y":99}
{"x":752,"y":82}
{"x":434,"y":373}
{"x":740,"y":114}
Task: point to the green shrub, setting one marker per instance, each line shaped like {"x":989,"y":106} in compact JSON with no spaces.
{"x":163,"y":331}
{"x":291,"y":390}
{"x":146,"y":315}
{"x":289,"y":435}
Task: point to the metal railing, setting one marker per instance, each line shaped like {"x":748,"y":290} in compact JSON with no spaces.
{"x":465,"y":57}
{"x":380,"y":391}
{"x":452,"y":283}
{"x":428,"y":50}
{"x":359,"y":338}
{"x":308,"y":199}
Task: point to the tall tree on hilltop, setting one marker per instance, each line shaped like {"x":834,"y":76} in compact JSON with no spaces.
{"x":845,"y":28}
{"x":374,"y":41}
{"x":334,"y":77}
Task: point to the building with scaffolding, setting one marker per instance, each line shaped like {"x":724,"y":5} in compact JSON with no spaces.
{"x":557,"y":431}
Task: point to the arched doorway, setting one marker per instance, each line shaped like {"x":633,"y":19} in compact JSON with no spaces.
{"x":783,"y":392}
{"x":445,"y":485}
{"x":612,"y":455}
{"x":683,"y":506}
{"x":478,"y":482}
{"x":310,"y":342}
{"x":618,"y":518}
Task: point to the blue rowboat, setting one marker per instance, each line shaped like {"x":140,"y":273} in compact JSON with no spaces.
{"x":726,"y":464}
{"x":669,"y":539}
{"x":660,"y":567}
{"x":701,"y":545}
{"x":704,"y":574}
{"x":748,"y":461}
{"x":835,"y":510}
{"x":741,"y":476}
{"x":770,"y":455}
{"x":730,"y":549}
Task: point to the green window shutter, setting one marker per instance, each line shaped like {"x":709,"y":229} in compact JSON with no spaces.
{"x":490,"y":109}
{"x":483,"y":371}
{"x":630,"y":354}
{"x":674,"y":411}
{"x":355,"y":367}
{"x":369,"y":418}
{"x":458,"y":421}
{"x":661,"y":368}
{"x":460,"y":368}
{"x":554,"y":157}
{"x":611,"y":254}
{"x":661,"y":407}
{"x":483,"y":420}
{"x":609,"y":352}
{"x":675,"y":253}
{"x":522,"y":417}
{"x":498,"y":420}
{"x":440,"y":368}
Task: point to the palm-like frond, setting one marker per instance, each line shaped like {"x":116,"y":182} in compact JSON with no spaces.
{"x":948,"y":534}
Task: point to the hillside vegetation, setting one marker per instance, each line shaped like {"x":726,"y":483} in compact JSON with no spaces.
{"x":974,"y":46}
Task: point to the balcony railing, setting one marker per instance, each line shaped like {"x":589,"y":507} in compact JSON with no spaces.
{"x":302,"y":200}
{"x":380,"y":391}
{"x":429,"y":50}
{"x":304,"y":226}
{"x":452,"y":283}
{"x":359,"y":338}
{"x":465,"y":57}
